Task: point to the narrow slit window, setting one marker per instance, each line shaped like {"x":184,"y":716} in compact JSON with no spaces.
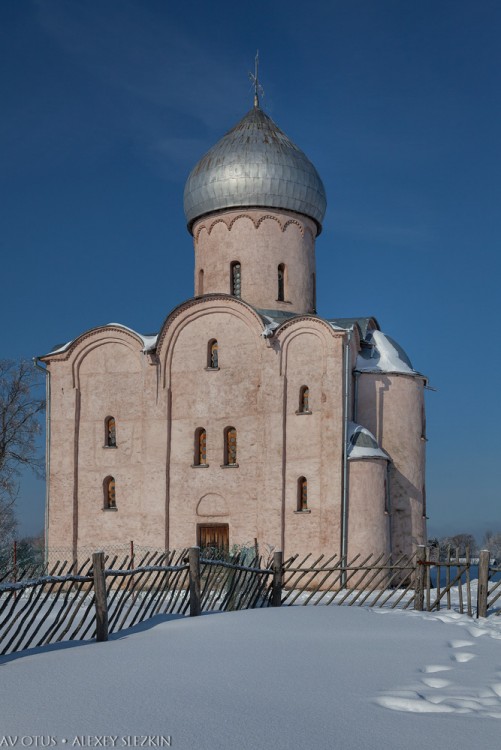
{"x":213,"y":355}
{"x":230,"y":450}
{"x":200,"y":447}
{"x":302,"y":494}
{"x":281,"y":283}
{"x":110,"y":432}
{"x":201,"y":282}
{"x":304,"y":400}
{"x":236,"y":279}
{"x":110,"y":499}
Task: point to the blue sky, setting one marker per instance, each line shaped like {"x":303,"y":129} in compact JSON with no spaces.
{"x":106,"y":106}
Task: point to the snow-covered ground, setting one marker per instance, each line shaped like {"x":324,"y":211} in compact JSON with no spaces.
{"x":306,"y":677}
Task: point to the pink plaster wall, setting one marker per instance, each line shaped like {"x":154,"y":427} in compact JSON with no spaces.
{"x":260,"y":240}
{"x":368,"y":523}
{"x":159,"y":402}
{"x":392,"y":407}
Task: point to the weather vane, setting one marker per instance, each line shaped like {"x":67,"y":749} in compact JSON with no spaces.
{"x":258,"y":89}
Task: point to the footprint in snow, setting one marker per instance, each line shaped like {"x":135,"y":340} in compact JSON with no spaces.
{"x":432,"y":668}
{"x":435,"y":682}
{"x":462,"y":656}
{"x":477,"y":632}
{"x":414,"y":705}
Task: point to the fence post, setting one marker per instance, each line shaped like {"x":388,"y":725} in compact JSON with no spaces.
{"x":194,"y":563}
{"x":419,"y":578}
{"x":276,"y":590}
{"x":483,"y":582}
{"x":100,"y":596}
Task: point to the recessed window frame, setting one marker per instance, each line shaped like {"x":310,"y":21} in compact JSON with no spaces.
{"x":230,"y":448}
{"x":236,"y":279}
{"x":200,"y":449}
{"x":109,"y":494}
{"x":110,"y":432}
{"x":302,"y":496}
{"x":304,"y":400}
{"x":213,"y":355}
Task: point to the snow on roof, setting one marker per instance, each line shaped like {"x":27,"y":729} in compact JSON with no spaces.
{"x":270,"y":326}
{"x":149,"y":341}
{"x":383,"y":355}
{"x":363,"y":444}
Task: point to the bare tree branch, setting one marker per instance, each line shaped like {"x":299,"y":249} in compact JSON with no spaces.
{"x":20,"y":426}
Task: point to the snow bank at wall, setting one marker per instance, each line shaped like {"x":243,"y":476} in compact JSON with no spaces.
{"x":316,"y":678}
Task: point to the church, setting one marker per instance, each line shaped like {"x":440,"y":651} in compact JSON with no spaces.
{"x":248,"y":420}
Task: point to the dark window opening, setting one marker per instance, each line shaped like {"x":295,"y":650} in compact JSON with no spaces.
{"x":110,"y":438}
{"x":236,"y":279}
{"x":302,"y":494}
{"x":304,"y":400}
{"x":110,"y":500}
{"x":200,"y":457}
{"x":212,"y":355}
{"x":281,"y":283}
{"x":230,"y":446}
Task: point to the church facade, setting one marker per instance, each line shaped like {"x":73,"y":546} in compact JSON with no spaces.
{"x":248,"y":418}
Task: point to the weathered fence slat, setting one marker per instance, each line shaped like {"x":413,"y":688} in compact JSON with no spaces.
{"x":64,"y":604}
{"x":483,"y":582}
{"x":194,"y":563}
{"x":276,"y":591}
{"x":100,"y":596}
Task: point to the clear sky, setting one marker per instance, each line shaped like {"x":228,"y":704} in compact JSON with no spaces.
{"x":107,"y":104}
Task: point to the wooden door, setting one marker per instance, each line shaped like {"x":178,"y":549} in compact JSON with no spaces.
{"x":214,"y":535}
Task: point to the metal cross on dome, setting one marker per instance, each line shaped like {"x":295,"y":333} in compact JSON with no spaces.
{"x":258,"y":89}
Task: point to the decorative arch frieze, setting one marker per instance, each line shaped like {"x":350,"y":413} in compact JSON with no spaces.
{"x":272,"y":217}
{"x":241,"y":216}
{"x":292,"y":222}
{"x":230,"y":222}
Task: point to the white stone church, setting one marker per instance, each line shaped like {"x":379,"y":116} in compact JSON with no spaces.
{"x":248,"y":418}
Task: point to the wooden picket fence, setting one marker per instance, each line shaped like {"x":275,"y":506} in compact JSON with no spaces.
{"x":105,"y":594}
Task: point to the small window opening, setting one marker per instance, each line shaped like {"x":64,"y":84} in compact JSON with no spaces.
{"x":201,"y":282}
{"x":110,"y":433}
{"x":304,"y":400}
{"x":212,"y":355}
{"x":230,"y":449}
{"x":236,"y":279}
{"x":200,"y":458}
{"x":281,"y":283}
{"x":110,"y":500}
{"x":302,"y":494}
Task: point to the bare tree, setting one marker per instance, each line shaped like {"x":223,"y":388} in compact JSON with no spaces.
{"x":20,"y":409}
{"x":457,"y":544}
{"x":492,"y":542}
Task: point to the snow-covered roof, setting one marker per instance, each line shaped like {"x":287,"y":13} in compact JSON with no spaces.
{"x":365,"y":325}
{"x":149,"y":341}
{"x":383,"y":355}
{"x":363,"y":444}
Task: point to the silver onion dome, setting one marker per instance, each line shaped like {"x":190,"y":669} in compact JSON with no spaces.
{"x":254,"y":164}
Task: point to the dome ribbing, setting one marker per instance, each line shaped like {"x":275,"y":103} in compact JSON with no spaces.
{"x":254,"y":164}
